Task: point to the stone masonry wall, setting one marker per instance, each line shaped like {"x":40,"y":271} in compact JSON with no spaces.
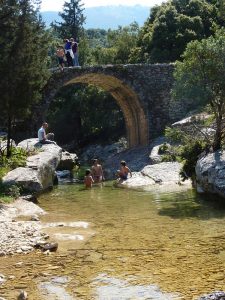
{"x":143,"y":92}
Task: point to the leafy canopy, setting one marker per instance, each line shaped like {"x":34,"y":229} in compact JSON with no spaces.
{"x":201,"y":78}
{"x":172,"y":25}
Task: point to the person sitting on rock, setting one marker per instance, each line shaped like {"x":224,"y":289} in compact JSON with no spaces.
{"x":43,"y":137}
{"x":123,"y":172}
{"x":97,"y":171}
{"x":88,"y":179}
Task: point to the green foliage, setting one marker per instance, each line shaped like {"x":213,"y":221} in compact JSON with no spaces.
{"x":175,"y":135}
{"x":23,"y":60}
{"x":163,"y":148}
{"x":17,"y":159}
{"x":73,"y":20}
{"x":8,"y":193}
{"x":97,"y":37}
{"x":80,"y":174}
{"x":85,"y":115}
{"x":200,"y":78}
{"x":187,"y":151}
{"x":189,"y":154}
{"x":117,"y":46}
{"x":172,"y":25}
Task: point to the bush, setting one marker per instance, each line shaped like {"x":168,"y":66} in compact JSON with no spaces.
{"x":163,"y":149}
{"x":189,"y":154}
{"x":17,"y":159}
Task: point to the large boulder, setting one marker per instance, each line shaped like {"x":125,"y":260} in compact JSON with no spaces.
{"x":39,"y":172}
{"x":210,"y":173}
{"x":166,"y":173}
{"x":68,"y":161}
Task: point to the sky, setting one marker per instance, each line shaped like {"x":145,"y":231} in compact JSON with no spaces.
{"x":56,"y":5}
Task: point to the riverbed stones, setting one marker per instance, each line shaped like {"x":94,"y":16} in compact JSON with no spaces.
{"x":17,"y":237}
{"x":210,"y":173}
{"x":51,"y":247}
{"x":22,"y":295}
{"x":39,"y":173}
{"x":214,"y":296}
{"x":35,"y":218}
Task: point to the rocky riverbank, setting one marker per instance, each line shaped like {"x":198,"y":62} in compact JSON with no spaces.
{"x":39,"y":174}
{"x":210,"y":173}
{"x":161,"y":175}
{"x":17,"y":236}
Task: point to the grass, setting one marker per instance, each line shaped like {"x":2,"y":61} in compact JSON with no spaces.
{"x":6,"y":199}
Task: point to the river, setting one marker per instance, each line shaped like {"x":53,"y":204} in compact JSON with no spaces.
{"x":117,"y":244}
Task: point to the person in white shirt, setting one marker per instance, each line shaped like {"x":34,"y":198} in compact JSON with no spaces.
{"x":43,"y":137}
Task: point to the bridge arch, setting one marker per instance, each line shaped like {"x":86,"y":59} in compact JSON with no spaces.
{"x":135,"y":116}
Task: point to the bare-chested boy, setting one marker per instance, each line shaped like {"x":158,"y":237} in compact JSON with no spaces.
{"x":97,"y":171}
{"x":123,"y":172}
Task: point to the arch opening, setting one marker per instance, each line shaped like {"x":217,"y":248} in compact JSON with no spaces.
{"x":135,"y":118}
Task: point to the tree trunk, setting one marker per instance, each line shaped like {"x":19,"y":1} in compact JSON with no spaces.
{"x":218,"y":134}
{"x":9,"y":135}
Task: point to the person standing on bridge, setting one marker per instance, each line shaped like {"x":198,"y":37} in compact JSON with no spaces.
{"x":60,"y":53}
{"x":75,"y":52}
{"x":69,"y":52}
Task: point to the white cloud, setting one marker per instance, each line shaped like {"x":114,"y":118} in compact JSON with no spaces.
{"x":56,"y":5}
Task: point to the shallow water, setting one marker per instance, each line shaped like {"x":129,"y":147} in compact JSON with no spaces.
{"x":117,"y":244}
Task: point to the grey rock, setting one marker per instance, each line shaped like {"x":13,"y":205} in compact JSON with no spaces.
{"x":214,"y":296}
{"x":210,"y":173}
{"x":52,"y":247}
{"x":35,"y":218}
{"x":194,"y":118}
{"x":162,"y":173}
{"x":31,"y":198}
{"x":68,"y":161}
{"x":22,"y":296}
{"x":2,"y":279}
{"x":103,"y":152}
{"x":39,"y":173}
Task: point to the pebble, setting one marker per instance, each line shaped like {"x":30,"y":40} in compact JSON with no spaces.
{"x":23,"y":295}
{"x":19,"y":237}
{"x":35,"y":218}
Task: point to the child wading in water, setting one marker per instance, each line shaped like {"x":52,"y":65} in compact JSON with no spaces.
{"x":123,"y":172}
{"x":88,"y":179}
{"x":97,"y":172}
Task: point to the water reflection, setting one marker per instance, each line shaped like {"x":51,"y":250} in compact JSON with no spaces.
{"x":191,"y":205}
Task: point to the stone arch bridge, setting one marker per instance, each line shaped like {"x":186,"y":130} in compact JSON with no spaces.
{"x":141,"y":91}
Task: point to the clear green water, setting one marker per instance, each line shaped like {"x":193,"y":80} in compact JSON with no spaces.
{"x":121,"y":244}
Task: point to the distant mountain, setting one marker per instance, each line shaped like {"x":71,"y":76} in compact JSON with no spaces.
{"x":106,"y":17}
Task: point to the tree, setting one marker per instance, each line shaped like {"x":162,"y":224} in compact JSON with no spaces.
{"x":73,"y":20}
{"x":23,"y":60}
{"x":172,"y":25}
{"x":201,"y":78}
{"x":120,"y":43}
